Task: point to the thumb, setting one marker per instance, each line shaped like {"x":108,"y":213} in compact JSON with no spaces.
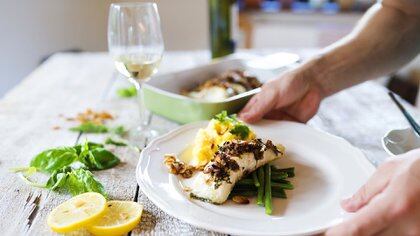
{"x":375,"y":185}
{"x":370,"y":220}
{"x":259,"y":105}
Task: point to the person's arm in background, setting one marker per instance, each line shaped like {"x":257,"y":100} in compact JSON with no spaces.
{"x":386,"y":38}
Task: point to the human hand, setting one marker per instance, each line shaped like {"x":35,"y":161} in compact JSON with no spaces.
{"x":293,"y":96}
{"x":389,"y":203}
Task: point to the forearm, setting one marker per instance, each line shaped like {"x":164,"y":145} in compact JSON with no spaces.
{"x":384,"y":40}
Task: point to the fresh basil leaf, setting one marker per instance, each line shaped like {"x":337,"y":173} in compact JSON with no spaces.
{"x":240,"y":130}
{"x":54,"y":159}
{"x":120,"y":130}
{"x":82,"y":181}
{"x":109,"y":140}
{"x":90,"y":127}
{"x":74,"y":181}
{"x":84,"y":151}
{"x":58,"y":178}
{"x":99,"y":159}
{"x":90,"y":146}
{"x":127,"y":92}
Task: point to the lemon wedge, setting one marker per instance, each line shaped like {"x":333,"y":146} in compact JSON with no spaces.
{"x":77,"y":212}
{"x":120,"y":218}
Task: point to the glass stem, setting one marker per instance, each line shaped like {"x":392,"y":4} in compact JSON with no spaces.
{"x":144,"y":115}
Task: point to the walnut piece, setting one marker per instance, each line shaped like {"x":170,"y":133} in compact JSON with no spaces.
{"x":89,"y":115}
{"x":177,"y":167}
{"x":240,"y":200}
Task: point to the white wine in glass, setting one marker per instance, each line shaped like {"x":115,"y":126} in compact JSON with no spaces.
{"x":138,"y":67}
{"x":136,"y":45}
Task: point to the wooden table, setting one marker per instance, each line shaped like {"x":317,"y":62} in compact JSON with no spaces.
{"x":69,"y":83}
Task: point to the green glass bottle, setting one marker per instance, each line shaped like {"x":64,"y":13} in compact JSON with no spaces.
{"x":222,"y":23}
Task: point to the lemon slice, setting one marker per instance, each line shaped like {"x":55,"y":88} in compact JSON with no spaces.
{"x":120,"y":218}
{"x":76,"y":212}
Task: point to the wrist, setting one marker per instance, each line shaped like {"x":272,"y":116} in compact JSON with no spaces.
{"x":312,"y":71}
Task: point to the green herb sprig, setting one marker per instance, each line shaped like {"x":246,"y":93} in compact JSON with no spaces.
{"x":90,"y":127}
{"x":64,"y":176}
{"x":239,"y":128}
{"x":111,"y":141}
{"x":74,"y":181}
{"x":96,"y":157}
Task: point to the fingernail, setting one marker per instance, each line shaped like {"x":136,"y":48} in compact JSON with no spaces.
{"x":349,"y":204}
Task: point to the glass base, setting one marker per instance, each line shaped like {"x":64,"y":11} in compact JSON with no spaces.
{"x":144,"y":134}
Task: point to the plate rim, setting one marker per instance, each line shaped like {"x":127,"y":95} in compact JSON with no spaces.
{"x":360,"y":157}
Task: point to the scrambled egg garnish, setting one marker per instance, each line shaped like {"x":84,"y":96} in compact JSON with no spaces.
{"x":220,"y":129}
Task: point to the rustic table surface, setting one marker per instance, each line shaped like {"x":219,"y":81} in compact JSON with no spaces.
{"x":70,"y":83}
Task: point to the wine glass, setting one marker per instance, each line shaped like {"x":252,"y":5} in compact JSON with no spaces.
{"x":136,"y":45}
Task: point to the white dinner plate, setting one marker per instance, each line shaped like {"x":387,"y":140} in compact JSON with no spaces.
{"x":327,"y":169}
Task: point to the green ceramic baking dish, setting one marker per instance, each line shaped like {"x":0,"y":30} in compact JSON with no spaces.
{"x":162,"y":93}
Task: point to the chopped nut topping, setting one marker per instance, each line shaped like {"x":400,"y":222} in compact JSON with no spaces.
{"x":223,"y":163}
{"x":178,"y":167}
{"x":237,"y":148}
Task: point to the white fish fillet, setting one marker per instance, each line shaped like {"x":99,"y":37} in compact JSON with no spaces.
{"x":206,"y":188}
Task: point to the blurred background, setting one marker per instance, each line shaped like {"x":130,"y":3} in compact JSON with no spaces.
{"x":33,"y":30}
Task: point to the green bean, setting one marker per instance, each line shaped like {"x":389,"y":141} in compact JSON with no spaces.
{"x":276,"y":182}
{"x":279,"y":175}
{"x":255,"y":178}
{"x":267,"y":182}
{"x":245,"y":187}
{"x":282,"y":185}
{"x":278,"y":193}
{"x":260,"y":196}
{"x":289,"y":171}
{"x":283,"y":181}
{"x":267,"y":198}
{"x":252,"y":186}
{"x":245,"y":193}
{"x":246,"y":182}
